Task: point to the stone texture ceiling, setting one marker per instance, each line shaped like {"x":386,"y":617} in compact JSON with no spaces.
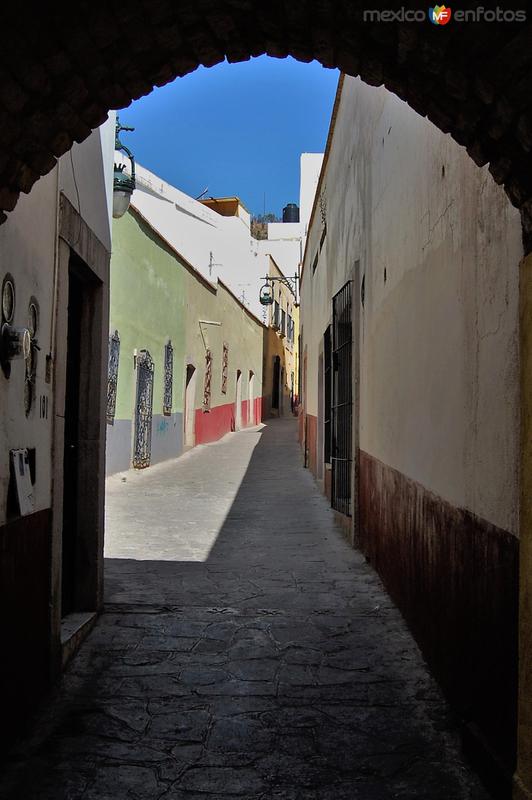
{"x":61,"y":72}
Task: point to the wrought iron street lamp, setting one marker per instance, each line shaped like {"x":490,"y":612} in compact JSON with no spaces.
{"x":124,"y":181}
{"x":266,"y":290}
{"x":266,"y":294}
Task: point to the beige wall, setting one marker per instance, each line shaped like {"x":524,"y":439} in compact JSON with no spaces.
{"x":239,"y":329}
{"x":277,"y":345}
{"x":28,"y":253}
{"x":438,"y":338}
{"x":27,"y":247}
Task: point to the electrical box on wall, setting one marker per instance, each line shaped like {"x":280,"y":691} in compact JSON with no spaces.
{"x":23,"y":485}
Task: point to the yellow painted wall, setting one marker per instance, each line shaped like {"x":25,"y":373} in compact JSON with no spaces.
{"x":275,"y":344}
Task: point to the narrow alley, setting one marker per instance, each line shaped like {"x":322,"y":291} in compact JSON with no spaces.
{"x":245,"y":651}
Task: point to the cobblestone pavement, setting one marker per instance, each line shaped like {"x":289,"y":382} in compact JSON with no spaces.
{"x":246,"y":651}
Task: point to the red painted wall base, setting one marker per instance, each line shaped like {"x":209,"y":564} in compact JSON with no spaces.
{"x":213,"y":424}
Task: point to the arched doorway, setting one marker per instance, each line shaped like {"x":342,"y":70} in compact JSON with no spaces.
{"x":276,"y":385}
{"x":189,"y":411}
{"x":238,"y":401}
{"x":251,"y":398}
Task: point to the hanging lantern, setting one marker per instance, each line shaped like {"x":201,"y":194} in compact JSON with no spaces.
{"x":266,"y":294}
{"x":124,"y":179}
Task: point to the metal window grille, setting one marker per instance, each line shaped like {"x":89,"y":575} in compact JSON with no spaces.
{"x":168,"y":378}
{"x":276,"y":384}
{"x":342,"y":401}
{"x":323,"y":235}
{"x":299,"y":368}
{"x":276,"y":315}
{"x":327,"y":386}
{"x":225,"y":367}
{"x":143,"y":410}
{"x":207,"y":382}
{"x":112,"y":376}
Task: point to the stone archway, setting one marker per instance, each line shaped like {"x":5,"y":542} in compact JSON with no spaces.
{"x":60,"y":74}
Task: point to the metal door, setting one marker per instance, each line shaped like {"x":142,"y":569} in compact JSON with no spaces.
{"x":143,"y":411}
{"x":342,"y":401}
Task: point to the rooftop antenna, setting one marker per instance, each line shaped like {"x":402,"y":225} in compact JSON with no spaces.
{"x":204,"y":192}
{"x":212,"y":264}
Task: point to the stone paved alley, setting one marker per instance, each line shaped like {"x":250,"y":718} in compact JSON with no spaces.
{"x":245,"y":651}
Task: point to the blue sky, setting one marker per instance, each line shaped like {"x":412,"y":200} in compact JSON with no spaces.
{"x":236,"y":128}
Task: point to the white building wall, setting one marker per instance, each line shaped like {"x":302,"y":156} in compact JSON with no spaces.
{"x":27,"y":245}
{"x":284,"y":230}
{"x":222,"y":247}
{"x":310,"y":168}
{"x":28,"y":253}
{"x":438,"y":337}
{"x":86,"y":178}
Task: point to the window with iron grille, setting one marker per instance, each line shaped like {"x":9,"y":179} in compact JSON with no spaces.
{"x":323,"y":235}
{"x":207,"y":382}
{"x":143,"y":410}
{"x":299,"y":368}
{"x":225,"y":366}
{"x":342,"y":401}
{"x":283,"y":322}
{"x":276,"y":315}
{"x":327,"y":381}
{"x":112,"y":376}
{"x":168,"y":378}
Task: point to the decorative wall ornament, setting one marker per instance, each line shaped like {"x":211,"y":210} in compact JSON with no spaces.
{"x":143,"y":410}
{"x":225,"y":367}
{"x":112,"y":376}
{"x":8,"y":299}
{"x":7,"y":312}
{"x":207,"y":384}
{"x":31,"y":359}
{"x":168,"y":378}
{"x":323,"y":208}
{"x":33,"y":317}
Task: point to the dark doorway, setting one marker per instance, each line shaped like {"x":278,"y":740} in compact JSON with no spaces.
{"x":276,"y":382}
{"x":71,"y":455}
{"x":342,"y":401}
{"x":327,"y":387}
{"x":190,"y":396}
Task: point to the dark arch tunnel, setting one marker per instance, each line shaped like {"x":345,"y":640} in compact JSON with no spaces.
{"x":61,"y":71}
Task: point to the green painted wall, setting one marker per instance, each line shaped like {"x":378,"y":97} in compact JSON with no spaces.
{"x":157,"y":296}
{"x":147,"y":308}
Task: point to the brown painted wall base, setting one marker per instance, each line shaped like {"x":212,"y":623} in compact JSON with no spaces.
{"x":455,"y":578}
{"x":25,"y":553}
